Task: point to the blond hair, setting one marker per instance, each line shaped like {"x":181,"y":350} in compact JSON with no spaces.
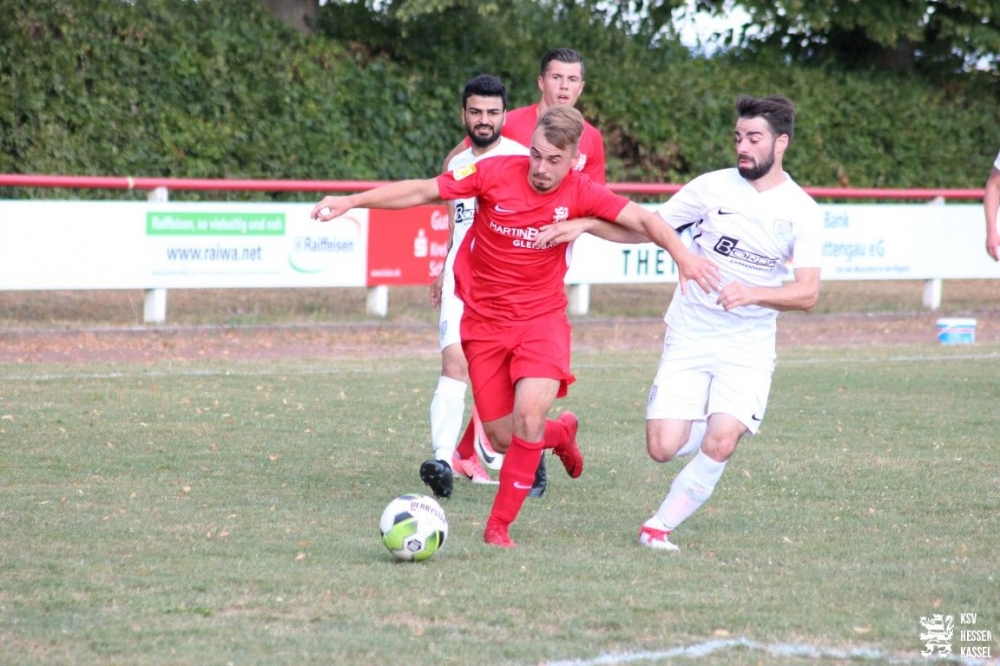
{"x":562,"y":126}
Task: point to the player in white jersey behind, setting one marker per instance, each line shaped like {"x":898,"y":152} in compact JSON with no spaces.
{"x":484,"y":105}
{"x":714,"y":377}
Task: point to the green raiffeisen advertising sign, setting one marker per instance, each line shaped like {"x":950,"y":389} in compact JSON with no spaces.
{"x":214,"y":224}
{"x":149,"y":245}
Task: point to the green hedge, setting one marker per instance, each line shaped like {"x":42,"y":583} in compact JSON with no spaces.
{"x":220,"y":89}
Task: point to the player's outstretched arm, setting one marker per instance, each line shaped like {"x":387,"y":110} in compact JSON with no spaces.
{"x":798,"y":294}
{"x":401,"y":194}
{"x":991,"y":202}
{"x":689,"y":265}
{"x":568,"y":231}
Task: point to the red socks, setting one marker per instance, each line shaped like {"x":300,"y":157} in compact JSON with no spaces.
{"x":516,"y":477}
{"x":465,"y":449}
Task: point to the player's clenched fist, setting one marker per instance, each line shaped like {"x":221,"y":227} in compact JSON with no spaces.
{"x":330,"y":208}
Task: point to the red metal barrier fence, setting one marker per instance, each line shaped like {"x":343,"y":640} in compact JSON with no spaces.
{"x":222,"y":185}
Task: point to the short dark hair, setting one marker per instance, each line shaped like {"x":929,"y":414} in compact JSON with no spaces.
{"x":562,"y":126}
{"x":777,"y":110}
{"x":563,"y":55}
{"x":485,"y":85}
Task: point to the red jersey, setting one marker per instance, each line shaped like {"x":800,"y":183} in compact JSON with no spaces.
{"x":499,"y":275}
{"x":520,"y":125}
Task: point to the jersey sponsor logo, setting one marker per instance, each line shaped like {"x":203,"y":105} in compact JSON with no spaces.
{"x":463,"y":172}
{"x":523,"y":237}
{"x":728,"y":247}
{"x":527,"y":233}
{"x":464,"y":213}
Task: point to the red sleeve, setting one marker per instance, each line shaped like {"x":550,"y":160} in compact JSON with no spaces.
{"x":602,"y":202}
{"x":463,"y":182}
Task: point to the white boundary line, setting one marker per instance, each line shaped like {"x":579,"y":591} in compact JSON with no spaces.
{"x":700,"y":650}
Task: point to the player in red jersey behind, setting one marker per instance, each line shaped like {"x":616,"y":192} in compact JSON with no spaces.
{"x":560,"y":83}
{"x":515,"y":332}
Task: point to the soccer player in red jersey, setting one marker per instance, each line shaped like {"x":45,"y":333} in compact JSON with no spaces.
{"x":560,"y":83}
{"x":515,"y":332}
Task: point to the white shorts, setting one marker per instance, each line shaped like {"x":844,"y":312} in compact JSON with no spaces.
{"x":452,"y":307}
{"x":694,"y":381}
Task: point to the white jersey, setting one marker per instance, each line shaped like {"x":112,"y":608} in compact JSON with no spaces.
{"x":996,"y":162}
{"x":752,"y":237}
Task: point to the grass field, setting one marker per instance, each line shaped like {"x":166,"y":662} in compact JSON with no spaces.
{"x":226,"y":513}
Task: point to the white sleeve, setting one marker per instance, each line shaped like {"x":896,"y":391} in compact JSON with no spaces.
{"x":684,"y":208}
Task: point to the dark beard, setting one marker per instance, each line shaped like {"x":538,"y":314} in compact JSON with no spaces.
{"x":757,"y":171}
{"x":480,"y":141}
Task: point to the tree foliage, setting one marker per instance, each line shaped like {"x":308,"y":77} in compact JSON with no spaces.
{"x":934,"y":37}
{"x":222,"y":88}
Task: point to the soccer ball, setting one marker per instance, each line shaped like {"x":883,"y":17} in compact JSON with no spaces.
{"x":413,"y":527}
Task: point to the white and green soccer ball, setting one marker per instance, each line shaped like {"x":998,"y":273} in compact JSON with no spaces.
{"x":413,"y":527}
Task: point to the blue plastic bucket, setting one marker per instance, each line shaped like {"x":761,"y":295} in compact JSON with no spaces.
{"x":956,"y":331}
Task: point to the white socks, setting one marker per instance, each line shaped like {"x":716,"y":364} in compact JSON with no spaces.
{"x":447,"y":417}
{"x":698,"y":429}
{"x":692,"y":487}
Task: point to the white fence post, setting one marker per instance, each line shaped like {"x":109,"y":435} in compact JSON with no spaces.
{"x":154,"y":310}
{"x":378,"y":301}
{"x":579,"y":299}
{"x":932,"y":287}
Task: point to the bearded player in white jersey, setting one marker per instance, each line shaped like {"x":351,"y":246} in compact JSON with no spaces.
{"x":484,"y":106}
{"x":714,"y":376}
{"x":713,"y":379}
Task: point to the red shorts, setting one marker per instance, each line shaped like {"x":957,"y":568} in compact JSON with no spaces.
{"x":499,"y":355}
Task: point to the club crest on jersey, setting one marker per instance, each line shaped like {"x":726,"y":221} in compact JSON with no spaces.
{"x":463,"y":172}
{"x":561,"y":214}
{"x":783,"y":229}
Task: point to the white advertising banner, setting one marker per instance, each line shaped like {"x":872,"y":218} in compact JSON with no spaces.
{"x":860,"y":242}
{"x":905,"y":242}
{"x":116,"y":245}
{"x":149,"y":245}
